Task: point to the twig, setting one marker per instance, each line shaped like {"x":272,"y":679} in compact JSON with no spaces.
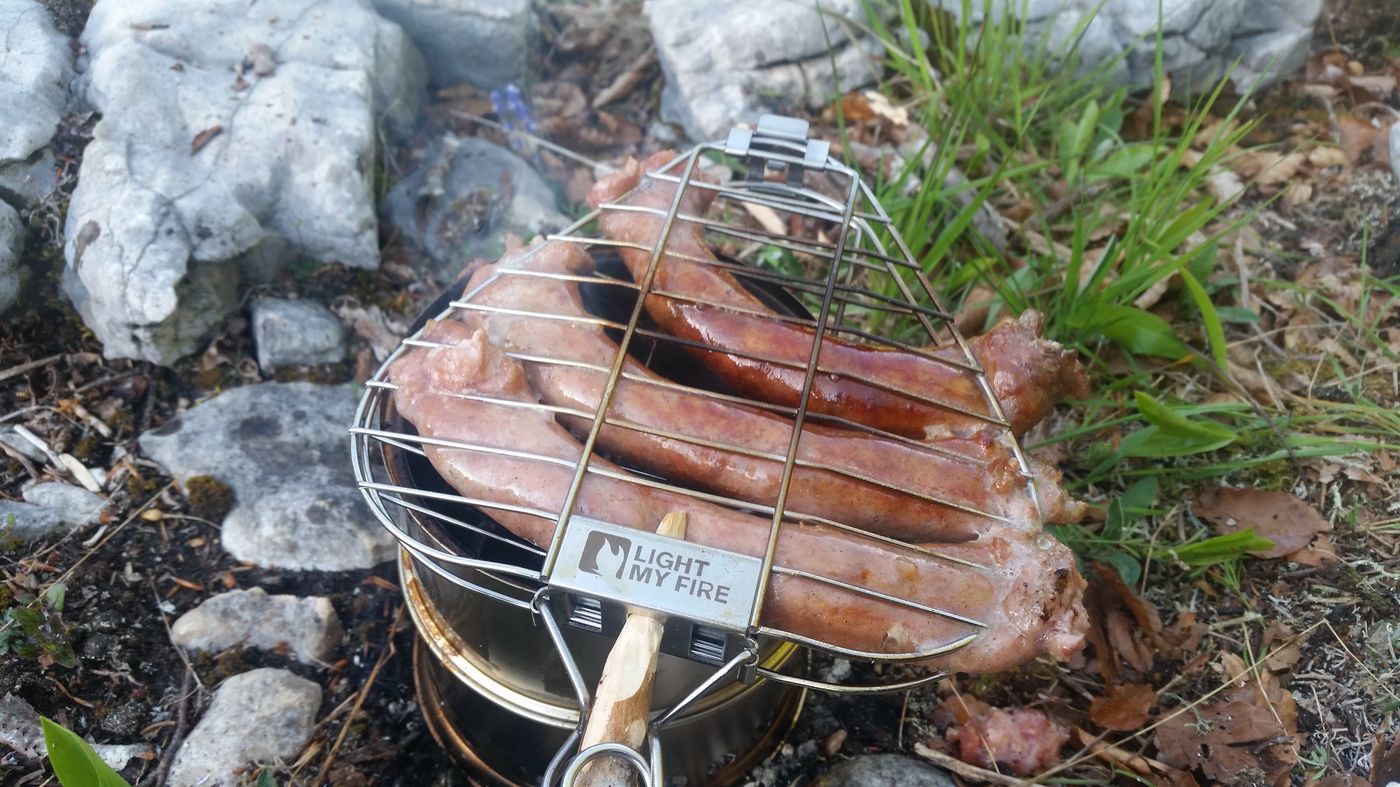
{"x":15,"y":371}
{"x":964,"y":769}
{"x":1137,"y":763}
{"x":626,"y":81}
{"x":389,"y":650}
{"x":178,"y":737}
{"x":22,"y":459}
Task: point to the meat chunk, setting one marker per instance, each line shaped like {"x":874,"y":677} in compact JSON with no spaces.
{"x":951,"y":490}
{"x":913,"y":394}
{"x":1023,"y":587}
{"x":1022,"y":740}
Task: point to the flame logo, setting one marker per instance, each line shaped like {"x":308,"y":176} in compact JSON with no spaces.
{"x":605,"y":555}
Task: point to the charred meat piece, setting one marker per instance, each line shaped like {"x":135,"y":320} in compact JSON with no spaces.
{"x":1025,"y":589}
{"x":902,"y":392}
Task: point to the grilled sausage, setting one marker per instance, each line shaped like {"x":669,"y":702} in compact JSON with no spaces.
{"x":1027,"y":592}
{"x":921,"y":493}
{"x":896,"y":390}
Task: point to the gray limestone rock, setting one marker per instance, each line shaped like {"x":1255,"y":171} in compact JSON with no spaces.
{"x":49,"y":508}
{"x":308,"y":627}
{"x":11,"y":245}
{"x":260,"y":715}
{"x":482,"y":42}
{"x":231,"y":140}
{"x":282,"y":449}
{"x":885,"y":770}
{"x":35,"y":69}
{"x":72,"y":503}
{"x":732,"y":60}
{"x":292,"y":333}
{"x":465,"y":195}
{"x":1200,"y":38}
{"x":1395,"y":151}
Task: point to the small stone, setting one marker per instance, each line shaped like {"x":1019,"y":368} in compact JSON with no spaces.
{"x":308,"y":627}
{"x":885,"y":770}
{"x":260,"y":715}
{"x":465,"y":196}
{"x":295,"y":333}
{"x":73,"y":504}
{"x":12,"y":438}
{"x":49,"y":508}
{"x":281,"y":448}
{"x":481,"y":42}
{"x":11,"y":244}
{"x":1395,"y":151}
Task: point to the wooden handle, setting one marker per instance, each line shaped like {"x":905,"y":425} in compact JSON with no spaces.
{"x":623,"y":700}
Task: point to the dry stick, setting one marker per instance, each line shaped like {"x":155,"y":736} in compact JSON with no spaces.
{"x":15,"y":371}
{"x":623,"y":700}
{"x":384,"y":655}
{"x":181,"y":720}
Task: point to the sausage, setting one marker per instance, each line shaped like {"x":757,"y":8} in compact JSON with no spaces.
{"x":1026,"y":591}
{"x":892,"y":389}
{"x":956,"y":489}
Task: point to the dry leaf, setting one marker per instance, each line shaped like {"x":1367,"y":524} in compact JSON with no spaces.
{"x":1385,"y":762}
{"x":1236,"y":739}
{"x":1278,"y":516}
{"x":202,"y":138}
{"x":1356,"y":136}
{"x":1281,"y":647}
{"x":1319,"y":553}
{"x":1324,"y":157}
{"x":1377,"y":87}
{"x":1125,"y":708}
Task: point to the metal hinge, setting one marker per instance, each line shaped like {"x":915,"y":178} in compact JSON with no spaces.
{"x":777,"y":134}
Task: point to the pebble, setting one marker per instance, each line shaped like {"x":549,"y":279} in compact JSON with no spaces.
{"x":482,"y":42}
{"x":307,"y":627}
{"x":1395,"y":151}
{"x":885,"y":770}
{"x":260,"y":715}
{"x":35,"y":68}
{"x":282,"y":449}
{"x":49,"y":508}
{"x":295,"y":333}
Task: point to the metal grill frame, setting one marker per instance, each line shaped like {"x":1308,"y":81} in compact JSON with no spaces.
{"x":777,"y":145}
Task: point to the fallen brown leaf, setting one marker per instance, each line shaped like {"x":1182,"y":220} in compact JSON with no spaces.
{"x":1250,"y":732}
{"x":1278,"y":516}
{"x":1125,"y":708}
{"x":202,"y":138}
{"x":1385,"y":761}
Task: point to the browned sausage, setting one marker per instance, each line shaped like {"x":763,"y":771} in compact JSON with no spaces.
{"x":1027,"y":592}
{"x":888,"y":388}
{"x":949,"y":492}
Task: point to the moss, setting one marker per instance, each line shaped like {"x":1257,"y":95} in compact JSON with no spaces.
{"x":88,"y":449}
{"x":208,"y":497}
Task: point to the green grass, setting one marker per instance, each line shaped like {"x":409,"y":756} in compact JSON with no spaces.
{"x":1117,"y":218}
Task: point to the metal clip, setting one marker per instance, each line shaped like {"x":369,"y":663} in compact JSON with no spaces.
{"x":777,"y":134}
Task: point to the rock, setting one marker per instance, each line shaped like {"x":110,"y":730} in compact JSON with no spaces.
{"x":293,"y":333}
{"x":21,"y":730}
{"x":35,"y":69}
{"x":731,"y":60}
{"x":207,"y":165}
{"x":1395,"y":151}
{"x":72,"y":504}
{"x":48,"y":509}
{"x":1200,"y":38}
{"x":282,"y":449}
{"x":260,"y":715}
{"x":11,"y":245}
{"x":12,"y":438}
{"x":307,"y":626}
{"x":885,"y":770}
{"x":483,"y":42}
{"x":465,"y":195}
